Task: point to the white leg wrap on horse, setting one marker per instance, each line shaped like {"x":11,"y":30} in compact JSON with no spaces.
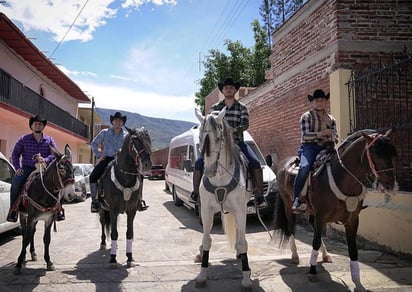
{"x":129,"y":245}
{"x":114,"y":247}
{"x":314,"y":257}
{"x":354,"y":271}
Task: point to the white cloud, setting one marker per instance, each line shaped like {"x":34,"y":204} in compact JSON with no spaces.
{"x":144,"y":103}
{"x":57,"y":16}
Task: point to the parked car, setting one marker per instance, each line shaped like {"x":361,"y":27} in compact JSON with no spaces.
{"x":157,"y":172}
{"x":82,"y":182}
{"x":6,"y":175}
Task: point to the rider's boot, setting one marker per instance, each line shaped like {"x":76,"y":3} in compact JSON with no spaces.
{"x":13,"y":214}
{"x":94,"y":208}
{"x":257,"y":177}
{"x":141,"y":204}
{"x":194,"y":196}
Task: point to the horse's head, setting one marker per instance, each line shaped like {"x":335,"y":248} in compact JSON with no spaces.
{"x":214,"y":135}
{"x":64,"y":169}
{"x":381,"y":155}
{"x":139,"y":147}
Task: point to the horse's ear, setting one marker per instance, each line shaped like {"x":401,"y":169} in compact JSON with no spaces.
{"x":221,"y":115}
{"x":129,"y":130}
{"x":199,"y":115}
{"x":389,"y":132}
{"x":68,"y":151}
{"x":367,"y":137}
{"x":55,"y":152}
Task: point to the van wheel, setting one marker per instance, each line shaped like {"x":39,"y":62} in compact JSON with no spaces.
{"x":178,"y":202}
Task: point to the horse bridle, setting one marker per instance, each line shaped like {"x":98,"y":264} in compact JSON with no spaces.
{"x":62,"y":183}
{"x":370,"y":162}
{"x":135,"y":153}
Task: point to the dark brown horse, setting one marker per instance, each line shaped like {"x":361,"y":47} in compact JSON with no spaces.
{"x":336,"y":192}
{"x":120,"y":189}
{"x":43,"y":202}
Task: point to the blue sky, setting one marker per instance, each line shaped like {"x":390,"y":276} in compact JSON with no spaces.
{"x":136,"y":55}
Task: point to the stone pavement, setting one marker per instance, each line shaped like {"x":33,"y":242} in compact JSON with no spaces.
{"x":166,"y":241}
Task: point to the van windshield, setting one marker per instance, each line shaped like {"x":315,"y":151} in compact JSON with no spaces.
{"x":256,"y":150}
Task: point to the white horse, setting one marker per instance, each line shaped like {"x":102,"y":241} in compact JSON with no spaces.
{"x":223,"y":188}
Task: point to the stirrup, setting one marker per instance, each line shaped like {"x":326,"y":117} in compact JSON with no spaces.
{"x":141,"y":206}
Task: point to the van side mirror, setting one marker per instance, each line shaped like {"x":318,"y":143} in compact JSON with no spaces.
{"x":187,"y":165}
{"x":269,"y":161}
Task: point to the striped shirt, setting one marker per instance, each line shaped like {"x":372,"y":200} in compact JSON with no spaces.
{"x":237,"y":117}
{"x":27,"y":146}
{"x":108,"y":141}
{"x":311,"y":124}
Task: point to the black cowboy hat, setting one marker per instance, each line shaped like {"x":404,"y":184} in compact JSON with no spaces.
{"x":318,"y":94}
{"x":37,"y":118}
{"x":228,"y":81}
{"x":118,"y":115}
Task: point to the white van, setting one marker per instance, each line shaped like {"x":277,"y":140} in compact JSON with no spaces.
{"x":179,"y":179}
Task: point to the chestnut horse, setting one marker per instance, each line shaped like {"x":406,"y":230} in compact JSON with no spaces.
{"x":336,"y":191}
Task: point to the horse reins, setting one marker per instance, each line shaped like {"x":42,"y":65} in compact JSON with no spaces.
{"x":62,"y":185}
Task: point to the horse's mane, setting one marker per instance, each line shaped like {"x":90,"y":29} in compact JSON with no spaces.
{"x":382,"y":146}
{"x":227,"y":133}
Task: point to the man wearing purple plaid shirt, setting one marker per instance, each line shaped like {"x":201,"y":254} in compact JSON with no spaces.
{"x":318,"y":132}
{"x":29,"y":149}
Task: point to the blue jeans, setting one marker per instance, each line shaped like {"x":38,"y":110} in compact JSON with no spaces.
{"x":245,"y":148}
{"x":307,"y":153}
{"x":18,"y":183}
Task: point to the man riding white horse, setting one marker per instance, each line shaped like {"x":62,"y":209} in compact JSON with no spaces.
{"x":237,"y":117}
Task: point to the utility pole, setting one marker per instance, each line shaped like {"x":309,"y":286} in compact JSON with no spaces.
{"x":92,"y":132}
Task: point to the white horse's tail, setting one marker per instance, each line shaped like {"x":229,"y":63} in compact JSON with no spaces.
{"x":229,"y":228}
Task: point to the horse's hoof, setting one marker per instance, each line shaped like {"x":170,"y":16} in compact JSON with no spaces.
{"x":200,"y":283}
{"x":17,"y":271}
{"x":295,"y":260}
{"x":50,"y":267}
{"x":131,"y":264}
{"x":198,"y":258}
{"x":102,"y":246}
{"x":113,"y":266}
{"x":327,"y":259}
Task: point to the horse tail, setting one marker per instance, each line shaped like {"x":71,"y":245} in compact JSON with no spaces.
{"x":229,"y":228}
{"x":284,"y":225}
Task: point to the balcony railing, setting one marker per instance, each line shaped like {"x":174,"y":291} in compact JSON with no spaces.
{"x":14,"y":94}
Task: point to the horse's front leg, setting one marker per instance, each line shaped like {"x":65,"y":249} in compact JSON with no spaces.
{"x":207,"y":221}
{"x":241,"y":249}
{"x":46,"y":241}
{"x":129,"y":237}
{"x":325,"y":255}
{"x":316,"y":243}
{"x":32,"y":248}
{"x":351,"y":229}
{"x":114,"y":235}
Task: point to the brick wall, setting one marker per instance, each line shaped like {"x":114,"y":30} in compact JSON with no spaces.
{"x":322,"y":36}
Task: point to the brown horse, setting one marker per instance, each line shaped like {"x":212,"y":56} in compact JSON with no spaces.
{"x":336,"y":191}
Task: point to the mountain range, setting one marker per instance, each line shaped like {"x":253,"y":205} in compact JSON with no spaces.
{"x":161,"y":131}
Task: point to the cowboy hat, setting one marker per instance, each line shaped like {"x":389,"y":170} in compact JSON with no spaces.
{"x":318,"y":93}
{"x":37,"y":118}
{"x":118,"y":115}
{"x":228,"y":81}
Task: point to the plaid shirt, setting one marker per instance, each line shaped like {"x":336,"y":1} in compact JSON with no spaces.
{"x":27,"y":146}
{"x":311,"y":123}
{"x":237,"y":117}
